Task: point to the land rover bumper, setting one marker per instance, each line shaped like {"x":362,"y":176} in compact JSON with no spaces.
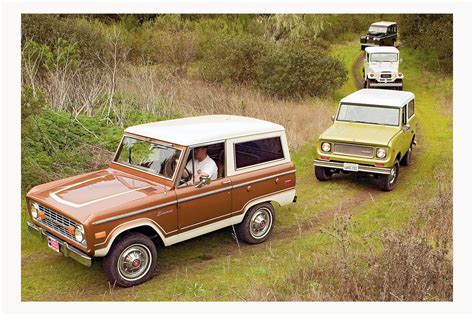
{"x":345,"y":166}
{"x":64,"y":248}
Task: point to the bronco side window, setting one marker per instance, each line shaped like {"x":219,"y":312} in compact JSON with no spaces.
{"x":258,"y":151}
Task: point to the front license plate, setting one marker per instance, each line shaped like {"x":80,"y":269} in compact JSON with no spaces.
{"x":350,"y":167}
{"x":53,"y":244}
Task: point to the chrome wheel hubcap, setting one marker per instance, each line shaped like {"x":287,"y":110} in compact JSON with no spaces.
{"x":260,"y":223}
{"x":393,"y":175}
{"x":134,"y":262}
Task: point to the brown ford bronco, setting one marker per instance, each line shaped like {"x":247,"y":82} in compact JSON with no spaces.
{"x":168,"y":182}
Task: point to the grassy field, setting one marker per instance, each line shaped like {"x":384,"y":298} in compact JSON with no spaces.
{"x":320,"y":245}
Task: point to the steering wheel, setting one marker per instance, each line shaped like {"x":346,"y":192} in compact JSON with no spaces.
{"x":188,"y":177}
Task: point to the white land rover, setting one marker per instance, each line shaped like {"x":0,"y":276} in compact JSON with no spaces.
{"x":381,"y":68}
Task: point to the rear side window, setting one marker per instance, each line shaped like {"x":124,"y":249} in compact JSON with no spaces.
{"x":411,"y":108}
{"x":258,"y":151}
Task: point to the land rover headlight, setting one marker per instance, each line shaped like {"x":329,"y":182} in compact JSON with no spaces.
{"x":34,"y":210}
{"x":79,"y":233}
{"x":381,"y":152}
{"x":326,"y":147}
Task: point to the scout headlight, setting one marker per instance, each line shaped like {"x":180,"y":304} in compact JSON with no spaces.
{"x":326,"y":147}
{"x":34,"y":210}
{"x":381,"y":152}
{"x":79,"y":233}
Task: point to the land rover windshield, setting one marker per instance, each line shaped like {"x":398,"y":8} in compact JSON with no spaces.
{"x":148,"y":156}
{"x":376,"y":29}
{"x":383,"y":57}
{"x":369,"y":114}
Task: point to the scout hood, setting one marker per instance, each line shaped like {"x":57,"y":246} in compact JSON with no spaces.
{"x":351,"y":132}
{"x":80,"y":196}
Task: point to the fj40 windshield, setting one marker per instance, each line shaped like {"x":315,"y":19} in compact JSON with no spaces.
{"x":148,"y":156}
{"x":369,"y":114}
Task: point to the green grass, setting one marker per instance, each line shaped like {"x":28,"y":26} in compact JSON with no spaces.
{"x":214,"y":268}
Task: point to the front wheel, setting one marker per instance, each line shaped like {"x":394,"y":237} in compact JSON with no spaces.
{"x":322,"y":173}
{"x":257,"y":224}
{"x":387,"y":182}
{"x":131,"y":260}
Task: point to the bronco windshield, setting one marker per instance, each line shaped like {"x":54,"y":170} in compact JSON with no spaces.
{"x":149,"y":157}
{"x":375,"y":29}
{"x":369,"y":114}
{"x":383,"y":57}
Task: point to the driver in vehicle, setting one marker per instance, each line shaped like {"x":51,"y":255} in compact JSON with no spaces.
{"x":203,"y":166}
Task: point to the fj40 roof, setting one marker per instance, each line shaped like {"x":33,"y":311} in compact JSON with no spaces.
{"x":381,"y":49}
{"x":383,"y":97}
{"x":204,"y":129}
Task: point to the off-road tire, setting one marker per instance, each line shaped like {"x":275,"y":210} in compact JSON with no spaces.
{"x":385,"y":182}
{"x":408,"y":158}
{"x":244,"y":229}
{"x":322,"y":173}
{"x":123,"y":243}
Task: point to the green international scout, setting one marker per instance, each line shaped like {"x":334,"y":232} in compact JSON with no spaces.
{"x":373,"y":132}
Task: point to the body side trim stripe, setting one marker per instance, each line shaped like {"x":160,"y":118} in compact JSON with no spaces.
{"x":263,"y":179}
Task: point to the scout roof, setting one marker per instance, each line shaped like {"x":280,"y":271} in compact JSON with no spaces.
{"x":203,"y":129}
{"x":383,"y":23}
{"x":379,"y":97}
{"x":381,"y":49}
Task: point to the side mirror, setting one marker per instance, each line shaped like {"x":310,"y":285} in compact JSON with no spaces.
{"x":333,"y":118}
{"x":203,"y":180}
{"x":406,"y":127}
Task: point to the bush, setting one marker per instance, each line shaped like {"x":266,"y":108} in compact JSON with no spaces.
{"x":231,"y":58}
{"x":293,"y":71}
{"x":430,"y":32}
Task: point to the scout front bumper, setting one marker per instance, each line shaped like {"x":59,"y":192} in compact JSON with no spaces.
{"x":64,"y":248}
{"x":360,"y":168}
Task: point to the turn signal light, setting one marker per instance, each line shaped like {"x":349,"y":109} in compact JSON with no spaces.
{"x":70,"y":230}
{"x":40,"y":215}
{"x":324,"y":158}
{"x":379,"y":164}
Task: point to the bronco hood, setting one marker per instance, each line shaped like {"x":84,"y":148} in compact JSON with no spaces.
{"x":80,"y":196}
{"x":369,"y":134}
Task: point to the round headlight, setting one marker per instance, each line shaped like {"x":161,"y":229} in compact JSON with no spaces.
{"x":371,"y":75}
{"x":34,"y":210}
{"x":381,"y":153}
{"x":79,"y":233}
{"x":326,"y":147}
{"x":400,"y":74}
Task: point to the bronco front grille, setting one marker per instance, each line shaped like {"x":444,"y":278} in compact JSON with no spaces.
{"x":57,"y":222}
{"x":354,"y":150}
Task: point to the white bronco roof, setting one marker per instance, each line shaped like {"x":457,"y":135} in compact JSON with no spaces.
{"x":381,"y":49}
{"x":203,"y":129}
{"x":379,"y":97}
{"x":383,"y":23}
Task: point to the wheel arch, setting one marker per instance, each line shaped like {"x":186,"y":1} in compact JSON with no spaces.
{"x":281,"y":198}
{"x":145,"y":226}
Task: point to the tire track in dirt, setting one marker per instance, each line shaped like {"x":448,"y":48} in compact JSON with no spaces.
{"x":358,"y":81}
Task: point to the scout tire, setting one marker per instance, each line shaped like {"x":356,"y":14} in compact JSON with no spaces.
{"x":131,"y":260}
{"x":322,"y":173}
{"x":387,"y":182}
{"x":408,"y":158}
{"x":257,"y":224}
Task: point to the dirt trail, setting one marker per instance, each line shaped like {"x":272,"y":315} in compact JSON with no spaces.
{"x":358,"y":81}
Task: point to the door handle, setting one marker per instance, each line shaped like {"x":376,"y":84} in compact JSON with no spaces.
{"x":225,"y":181}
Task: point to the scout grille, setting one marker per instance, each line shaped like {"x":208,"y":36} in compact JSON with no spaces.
{"x":57,"y":222}
{"x":354,"y":150}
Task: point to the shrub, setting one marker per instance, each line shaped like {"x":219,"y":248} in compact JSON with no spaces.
{"x":231,"y":58}
{"x":293,"y":71}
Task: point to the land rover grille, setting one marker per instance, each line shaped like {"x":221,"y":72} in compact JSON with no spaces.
{"x":354,"y":150}
{"x":58,"y":222}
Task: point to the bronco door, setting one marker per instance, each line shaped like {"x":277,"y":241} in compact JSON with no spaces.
{"x":200,"y":206}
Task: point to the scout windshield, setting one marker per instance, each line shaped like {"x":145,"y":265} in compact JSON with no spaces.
{"x":375,"y":29}
{"x":149,"y":157}
{"x":383,"y":57}
{"x":369,"y":114}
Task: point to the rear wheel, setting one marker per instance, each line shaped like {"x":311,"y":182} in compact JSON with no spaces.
{"x":387,"y":182}
{"x":407,"y":159}
{"x":257,"y":224}
{"x":131,"y":260}
{"x":322,"y":173}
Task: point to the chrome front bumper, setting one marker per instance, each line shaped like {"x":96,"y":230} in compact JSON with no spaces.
{"x":386,"y":84}
{"x":362,"y":168}
{"x":65,"y":248}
